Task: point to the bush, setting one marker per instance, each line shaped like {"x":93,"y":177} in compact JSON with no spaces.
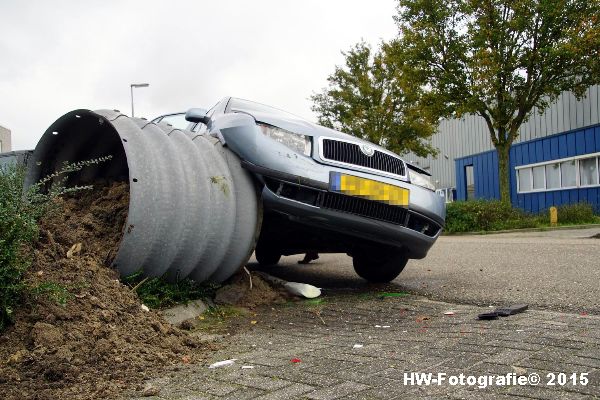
{"x":20,"y":212}
{"x":485,"y":215}
{"x":572,"y":214}
{"x":493,"y":215}
{"x":18,"y":229}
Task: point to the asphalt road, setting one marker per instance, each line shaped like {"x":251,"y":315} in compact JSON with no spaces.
{"x":554,"y":270}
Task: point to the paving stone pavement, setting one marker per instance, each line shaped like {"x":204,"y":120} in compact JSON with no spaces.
{"x":399,"y":335}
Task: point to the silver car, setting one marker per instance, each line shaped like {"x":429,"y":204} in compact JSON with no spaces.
{"x":324,"y":191}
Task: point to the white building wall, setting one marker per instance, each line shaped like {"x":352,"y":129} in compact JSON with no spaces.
{"x":5,"y":142}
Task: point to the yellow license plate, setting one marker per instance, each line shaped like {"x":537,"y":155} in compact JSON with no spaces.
{"x":369,"y":189}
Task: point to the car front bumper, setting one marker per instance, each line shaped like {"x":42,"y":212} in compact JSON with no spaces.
{"x":310,"y":202}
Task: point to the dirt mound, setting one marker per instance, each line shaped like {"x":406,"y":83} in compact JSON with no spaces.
{"x":237,"y":292}
{"x":81,"y":333}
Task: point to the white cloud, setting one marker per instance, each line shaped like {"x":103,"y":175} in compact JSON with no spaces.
{"x":62,"y":55}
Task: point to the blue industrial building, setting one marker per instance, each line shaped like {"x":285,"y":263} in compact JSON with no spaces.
{"x":545,"y":172}
{"x":554,"y":161}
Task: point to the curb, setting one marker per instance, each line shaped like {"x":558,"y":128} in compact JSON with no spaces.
{"x":543,"y":229}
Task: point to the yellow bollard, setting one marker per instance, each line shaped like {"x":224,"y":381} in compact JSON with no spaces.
{"x":553,"y":216}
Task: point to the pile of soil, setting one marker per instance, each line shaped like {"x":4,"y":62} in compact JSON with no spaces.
{"x":250,"y":291}
{"x":100,"y":341}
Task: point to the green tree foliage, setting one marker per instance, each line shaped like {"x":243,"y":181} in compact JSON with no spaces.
{"x":369,"y":98}
{"x":498,"y":58}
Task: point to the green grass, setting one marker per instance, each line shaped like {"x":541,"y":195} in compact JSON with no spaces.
{"x":54,"y":291}
{"x":217,"y":319}
{"x":159,"y":293}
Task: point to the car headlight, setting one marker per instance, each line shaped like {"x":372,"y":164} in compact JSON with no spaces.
{"x":420,"y":180}
{"x":295,"y":141}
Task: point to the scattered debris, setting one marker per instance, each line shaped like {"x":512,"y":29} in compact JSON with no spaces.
{"x":224,"y":363}
{"x":296,"y":360}
{"x":357,"y":346}
{"x":450,"y":313}
{"x":303,"y":289}
{"x":519,"y":371}
{"x":150,"y":390}
{"x":249,"y":276}
{"x":145,"y":308}
{"x":74,"y":250}
{"x":382,"y":326}
{"x":512,"y":310}
{"x":488,"y":315}
{"x":295,"y":288}
{"x":503,"y":312}
{"x":247,"y":366}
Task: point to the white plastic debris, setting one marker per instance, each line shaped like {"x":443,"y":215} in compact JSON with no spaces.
{"x":224,"y":363}
{"x":247,"y":366}
{"x":382,"y":326}
{"x":449,"y":313}
{"x":299,"y":289}
{"x":303,"y":289}
{"x":145,"y":308}
{"x":357,"y":346}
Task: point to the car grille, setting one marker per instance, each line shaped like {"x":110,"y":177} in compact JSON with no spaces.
{"x":362,"y":207}
{"x":350,"y":153}
{"x":354,"y":205}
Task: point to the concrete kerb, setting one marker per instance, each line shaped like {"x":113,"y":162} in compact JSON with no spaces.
{"x":525,"y":230}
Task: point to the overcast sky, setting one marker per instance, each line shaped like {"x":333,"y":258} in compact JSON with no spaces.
{"x":56,"y":56}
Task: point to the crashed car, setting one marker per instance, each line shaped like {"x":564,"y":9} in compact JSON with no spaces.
{"x":325,"y":191}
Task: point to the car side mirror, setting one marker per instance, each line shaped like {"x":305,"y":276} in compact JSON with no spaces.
{"x":197,"y":115}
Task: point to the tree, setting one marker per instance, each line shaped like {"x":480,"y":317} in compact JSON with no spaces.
{"x":369,"y":98}
{"x":498,"y":58}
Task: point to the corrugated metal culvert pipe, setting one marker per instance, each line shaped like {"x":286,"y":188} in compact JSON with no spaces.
{"x":193,"y":211}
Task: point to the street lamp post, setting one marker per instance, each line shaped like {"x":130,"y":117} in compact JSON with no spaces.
{"x":136,"y":85}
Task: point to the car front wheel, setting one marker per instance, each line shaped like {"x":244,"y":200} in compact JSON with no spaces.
{"x":379,"y":269}
{"x":267,"y":257}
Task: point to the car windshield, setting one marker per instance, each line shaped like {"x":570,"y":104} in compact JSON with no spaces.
{"x":237,"y":105}
{"x":176,"y":120}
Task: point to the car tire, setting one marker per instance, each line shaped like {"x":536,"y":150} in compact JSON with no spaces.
{"x":379,"y":269}
{"x":267,"y":257}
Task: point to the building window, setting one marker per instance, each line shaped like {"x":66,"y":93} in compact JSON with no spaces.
{"x":539,"y":177}
{"x":588,"y":171}
{"x":525,"y":180}
{"x":553,"y":176}
{"x":566,"y":173}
